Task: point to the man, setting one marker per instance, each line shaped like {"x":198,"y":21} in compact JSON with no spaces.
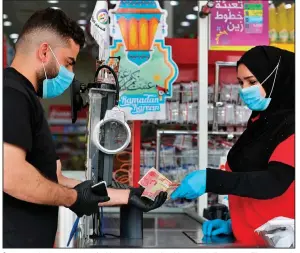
{"x":33,"y":184}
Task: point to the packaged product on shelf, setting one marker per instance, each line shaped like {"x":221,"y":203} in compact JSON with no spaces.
{"x":220,"y":115}
{"x":213,"y":158}
{"x":189,"y":92}
{"x":229,"y":114}
{"x":291,"y":23}
{"x":229,"y":93}
{"x":239,"y":115}
{"x":175,"y":94}
{"x":168,"y":158}
{"x":142,"y":159}
{"x":282,"y":20}
{"x":183,"y":141}
{"x":172,"y":111}
{"x":177,"y":174}
{"x":188,"y":113}
{"x":148,"y":158}
{"x":210,"y":113}
{"x":242,"y":115}
{"x":210,"y":92}
{"x":189,"y":157}
{"x":273,"y":35}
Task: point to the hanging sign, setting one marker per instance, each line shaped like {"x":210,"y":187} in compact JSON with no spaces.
{"x":147,"y":70}
{"x":239,"y":25}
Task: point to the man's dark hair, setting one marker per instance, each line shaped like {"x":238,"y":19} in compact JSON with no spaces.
{"x":55,"y":21}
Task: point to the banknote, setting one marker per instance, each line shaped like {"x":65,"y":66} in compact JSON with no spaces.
{"x":154,"y":182}
{"x":152,"y":177}
{"x":152,"y":192}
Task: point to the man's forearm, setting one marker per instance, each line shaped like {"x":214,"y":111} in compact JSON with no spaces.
{"x":117,"y":197}
{"x":68,"y":182}
{"x":27,"y":184}
{"x":62,"y":180}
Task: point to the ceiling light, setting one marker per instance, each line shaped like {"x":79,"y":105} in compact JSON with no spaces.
{"x":185,"y":23}
{"x":5,"y":16}
{"x":270,"y":2}
{"x":83,"y":5}
{"x":191,"y":16}
{"x":288,"y":6}
{"x":82,"y":22}
{"x":7,"y":23}
{"x":55,"y":8}
{"x":52,"y":1}
{"x":196,"y":8}
{"x":174,"y":3}
{"x":14,"y":36}
{"x":82,"y":27}
{"x":113,"y":2}
{"x":15,"y":40}
{"x":82,"y":14}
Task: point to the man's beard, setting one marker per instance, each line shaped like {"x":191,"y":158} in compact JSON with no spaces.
{"x":51,"y":71}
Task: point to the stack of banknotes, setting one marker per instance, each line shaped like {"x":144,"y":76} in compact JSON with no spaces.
{"x":154,"y":182}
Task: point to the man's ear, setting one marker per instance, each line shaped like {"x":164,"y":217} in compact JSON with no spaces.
{"x":43,"y":52}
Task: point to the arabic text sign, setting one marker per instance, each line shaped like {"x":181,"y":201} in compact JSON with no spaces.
{"x":239,"y":24}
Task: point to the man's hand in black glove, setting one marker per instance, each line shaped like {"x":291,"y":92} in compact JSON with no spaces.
{"x":87,"y":201}
{"x":144,"y":204}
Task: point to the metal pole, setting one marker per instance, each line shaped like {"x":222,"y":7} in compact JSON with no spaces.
{"x":202,"y":98}
{"x":169,"y":8}
{"x":157,"y":160}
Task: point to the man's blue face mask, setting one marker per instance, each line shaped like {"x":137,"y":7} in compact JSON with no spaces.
{"x":56,"y":86}
{"x":252,"y":97}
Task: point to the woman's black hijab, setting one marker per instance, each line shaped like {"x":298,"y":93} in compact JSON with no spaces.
{"x":279,"y":117}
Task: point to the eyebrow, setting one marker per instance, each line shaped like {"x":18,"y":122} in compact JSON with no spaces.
{"x":245,"y":78}
{"x":73,"y":60}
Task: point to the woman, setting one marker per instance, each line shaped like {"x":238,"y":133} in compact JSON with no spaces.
{"x":260,"y":169}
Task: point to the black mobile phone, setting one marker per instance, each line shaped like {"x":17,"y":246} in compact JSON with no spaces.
{"x":100,"y":189}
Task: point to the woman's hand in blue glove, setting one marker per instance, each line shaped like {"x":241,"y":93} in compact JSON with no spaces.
{"x":192,"y":186}
{"x":217,"y":227}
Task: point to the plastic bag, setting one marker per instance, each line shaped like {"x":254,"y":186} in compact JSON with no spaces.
{"x":278,"y":232}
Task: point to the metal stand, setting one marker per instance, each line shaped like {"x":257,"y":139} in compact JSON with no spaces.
{"x":131,"y":223}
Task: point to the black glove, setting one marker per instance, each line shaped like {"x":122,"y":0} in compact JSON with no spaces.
{"x":87,"y":201}
{"x":145,"y":205}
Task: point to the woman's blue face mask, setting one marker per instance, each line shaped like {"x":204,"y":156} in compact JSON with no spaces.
{"x":252,"y":96}
{"x":54,"y":87}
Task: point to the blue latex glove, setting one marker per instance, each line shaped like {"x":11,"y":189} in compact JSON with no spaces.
{"x":192,"y":186}
{"x":217,"y":227}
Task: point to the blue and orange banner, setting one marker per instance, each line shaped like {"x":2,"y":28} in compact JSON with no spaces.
{"x":147,"y":71}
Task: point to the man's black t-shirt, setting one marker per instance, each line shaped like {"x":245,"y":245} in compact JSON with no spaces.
{"x":27,"y":225}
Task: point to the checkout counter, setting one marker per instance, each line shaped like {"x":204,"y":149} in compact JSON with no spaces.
{"x":129,"y":227}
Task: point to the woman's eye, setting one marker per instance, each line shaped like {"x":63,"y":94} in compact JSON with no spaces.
{"x":252,"y":82}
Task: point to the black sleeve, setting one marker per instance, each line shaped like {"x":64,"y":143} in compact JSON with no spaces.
{"x":258,"y":184}
{"x":17,"y":126}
